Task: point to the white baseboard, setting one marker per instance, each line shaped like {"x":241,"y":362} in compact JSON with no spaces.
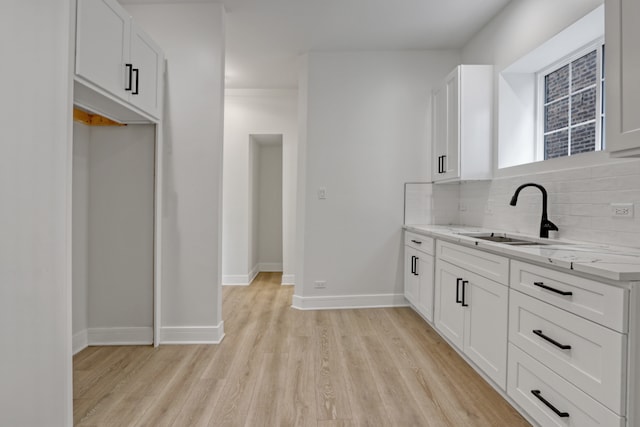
{"x":80,"y":341}
{"x":246,"y":279}
{"x":288,"y":279}
{"x":253,"y":273}
{"x":120,"y":336}
{"x":349,"y":301}
{"x":235,"y":280}
{"x":192,"y":334}
{"x":270,"y":267}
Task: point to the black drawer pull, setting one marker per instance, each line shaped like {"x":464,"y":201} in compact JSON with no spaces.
{"x":464,"y":302}
{"x":458,"y":300}
{"x":417,"y":242}
{"x":537,"y":394}
{"x":549,"y":288}
{"x":415,"y":269}
{"x":539,"y":333}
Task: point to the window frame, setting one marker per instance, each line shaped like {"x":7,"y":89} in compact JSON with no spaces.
{"x":595,"y":45}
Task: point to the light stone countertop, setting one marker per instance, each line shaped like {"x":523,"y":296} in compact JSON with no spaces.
{"x":605,"y":261}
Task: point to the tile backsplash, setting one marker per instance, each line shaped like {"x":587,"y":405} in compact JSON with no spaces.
{"x":579,"y":203}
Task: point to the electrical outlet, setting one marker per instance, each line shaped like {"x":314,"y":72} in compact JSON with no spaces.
{"x":462,"y":207}
{"x":624,"y":210}
{"x":322,"y":193}
{"x":320,"y":284}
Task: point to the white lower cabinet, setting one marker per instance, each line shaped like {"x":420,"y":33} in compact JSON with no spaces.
{"x":418,"y":273}
{"x":410,"y":277}
{"x":471,"y":311}
{"x":567,"y":340}
{"x":587,"y":354}
{"x":551,"y":400}
{"x":563,"y":346}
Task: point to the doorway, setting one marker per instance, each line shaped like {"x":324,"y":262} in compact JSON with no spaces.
{"x":265,"y":204}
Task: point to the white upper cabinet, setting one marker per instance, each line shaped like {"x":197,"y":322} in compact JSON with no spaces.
{"x":102,"y":44}
{"x":146,"y":60}
{"x":622,"y":67}
{"x":116,"y":60}
{"x":462,"y":125}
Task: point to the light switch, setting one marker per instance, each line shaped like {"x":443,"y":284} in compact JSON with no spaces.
{"x":322,"y":193}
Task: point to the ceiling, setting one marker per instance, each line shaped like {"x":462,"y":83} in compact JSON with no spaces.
{"x":265,"y":37}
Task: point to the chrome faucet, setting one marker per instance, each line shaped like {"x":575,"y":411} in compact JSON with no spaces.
{"x":545,"y":224}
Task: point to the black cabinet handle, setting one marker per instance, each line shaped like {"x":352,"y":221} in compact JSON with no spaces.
{"x":464,"y":302}
{"x":537,"y":394}
{"x":539,"y":333}
{"x":549,"y":288}
{"x":129,"y":71}
{"x":414,"y":265}
{"x":417,"y":242}
{"x":444,"y":167}
{"x":458,"y":300}
{"x":137,"y":72}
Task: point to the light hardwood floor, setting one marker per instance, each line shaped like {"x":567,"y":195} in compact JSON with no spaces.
{"x":282,"y":367}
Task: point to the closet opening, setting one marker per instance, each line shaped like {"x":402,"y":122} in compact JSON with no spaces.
{"x":113,"y":209}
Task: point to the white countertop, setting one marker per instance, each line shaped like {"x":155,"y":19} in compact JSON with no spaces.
{"x":610,"y":262}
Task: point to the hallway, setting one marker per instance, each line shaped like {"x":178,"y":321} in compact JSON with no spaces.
{"x":282,"y":367}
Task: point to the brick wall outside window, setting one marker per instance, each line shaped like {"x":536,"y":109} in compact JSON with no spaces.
{"x":571,"y":107}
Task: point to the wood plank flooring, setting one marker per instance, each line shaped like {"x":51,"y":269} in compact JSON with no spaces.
{"x":282,"y":367}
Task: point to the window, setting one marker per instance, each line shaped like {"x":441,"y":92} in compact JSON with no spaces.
{"x":571,"y":113}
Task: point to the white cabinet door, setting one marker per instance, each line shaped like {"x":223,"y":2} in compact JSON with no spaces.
{"x":622,"y":63}
{"x":486,"y":319}
{"x":425,"y":285}
{"x":102,"y":44}
{"x":446,"y":128}
{"x":439,"y":101}
{"x":410,"y":276}
{"x":462,"y":125}
{"x":448,"y":310}
{"x":451,"y":159}
{"x":147,"y":60}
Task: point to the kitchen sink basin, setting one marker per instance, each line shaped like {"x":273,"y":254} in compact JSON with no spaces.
{"x":508,"y":240}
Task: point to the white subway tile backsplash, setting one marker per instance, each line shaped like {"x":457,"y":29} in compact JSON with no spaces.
{"x":579,"y":203}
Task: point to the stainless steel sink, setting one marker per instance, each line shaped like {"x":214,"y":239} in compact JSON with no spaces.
{"x":508,"y":240}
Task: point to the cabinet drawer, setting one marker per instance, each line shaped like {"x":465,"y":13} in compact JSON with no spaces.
{"x":419,"y":242}
{"x":596,"y":360}
{"x":602,"y":303}
{"x":491,"y":266}
{"x":526,"y":376}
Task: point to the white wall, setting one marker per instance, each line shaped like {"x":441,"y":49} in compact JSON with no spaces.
{"x":522,"y":26}
{"x":270,"y":208}
{"x":35,"y":185}
{"x":367,"y":133}
{"x":121,"y":207}
{"x":580,"y":189}
{"x":80,"y":233}
{"x":192,"y":37}
{"x":250,"y":112}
